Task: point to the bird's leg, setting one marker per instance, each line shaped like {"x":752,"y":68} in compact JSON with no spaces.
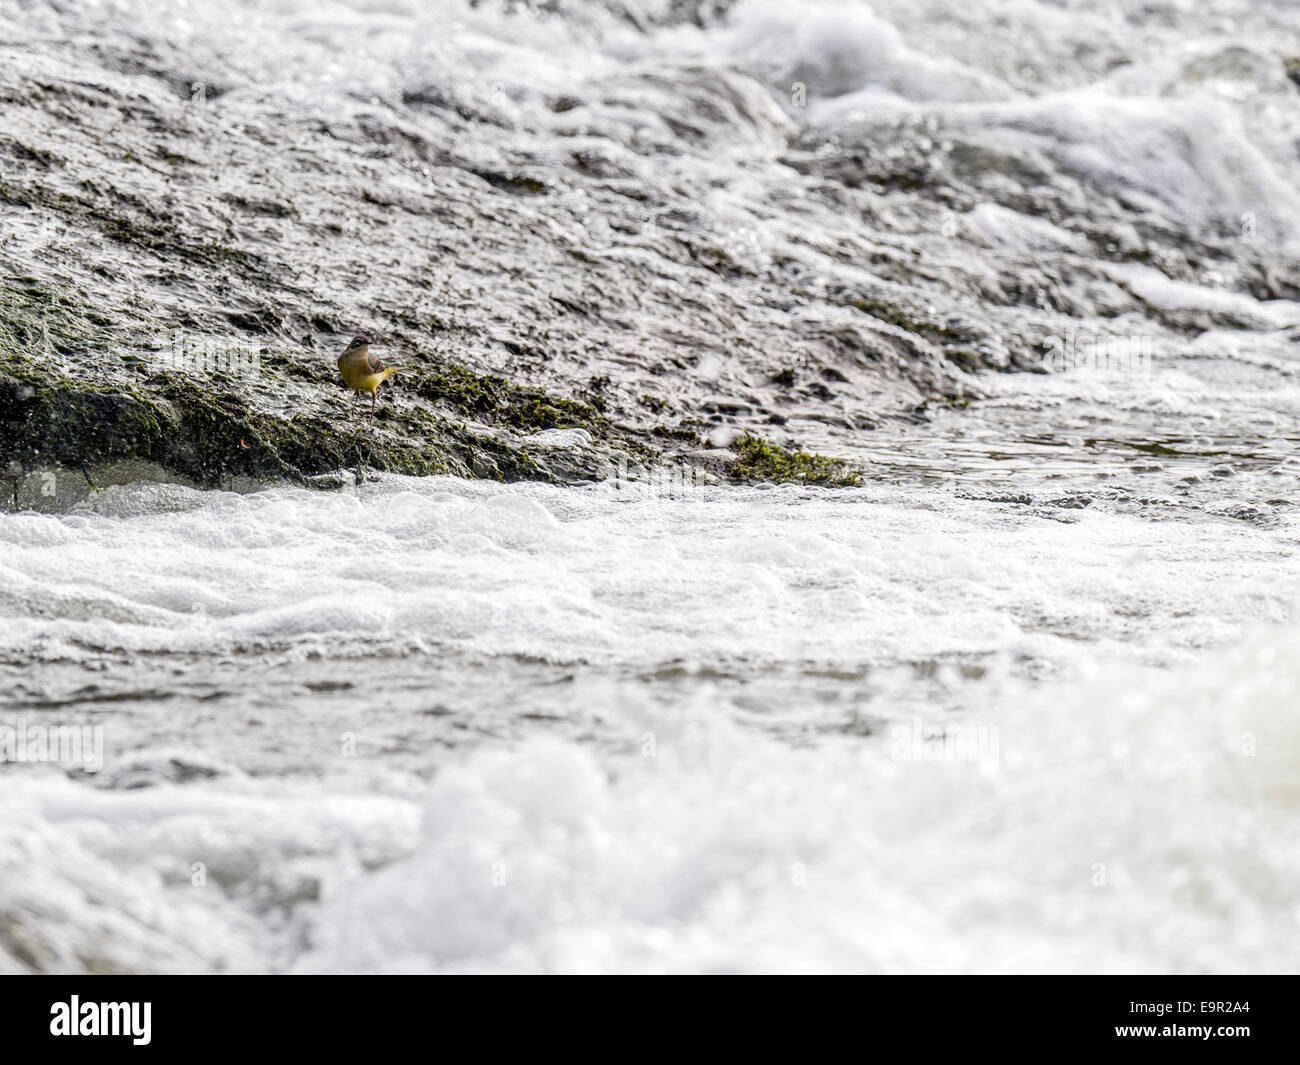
{"x":374,"y":396}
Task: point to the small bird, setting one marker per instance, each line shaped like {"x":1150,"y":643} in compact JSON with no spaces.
{"x":363,"y":372}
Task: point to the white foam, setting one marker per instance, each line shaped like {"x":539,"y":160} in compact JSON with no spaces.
{"x":1150,"y":837}
{"x":745,"y":575}
{"x":168,"y":879}
{"x":1161,"y":291}
{"x":837,"y":48}
{"x":1015,"y":230}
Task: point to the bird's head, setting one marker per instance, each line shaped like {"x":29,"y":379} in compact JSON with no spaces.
{"x":361,"y":341}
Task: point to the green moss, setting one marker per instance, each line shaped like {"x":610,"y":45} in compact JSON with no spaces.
{"x":276,"y":362}
{"x":964,"y":359}
{"x":209,"y":434}
{"x":46,"y":419}
{"x":116,"y":404}
{"x":164,"y":241}
{"x":757,"y":460}
{"x":28,"y":154}
{"x":35,"y":324}
{"x":214,"y":434}
{"x":470,"y":454}
{"x":37,"y":317}
{"x":682,"y":433}
{"x":497,"y":401}
{"x":515,"y":183}
{"x":594,"y":393}
{"x":957,"y":341}
{"x":172,"y":158}
{"x":152,"y":231}
{"x":717,"y":259}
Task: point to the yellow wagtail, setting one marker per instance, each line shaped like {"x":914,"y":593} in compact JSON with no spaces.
{"x":363,"y":372}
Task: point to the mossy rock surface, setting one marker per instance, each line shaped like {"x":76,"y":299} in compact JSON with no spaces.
{"x":80,"y":387}
{"x":757,"y":460}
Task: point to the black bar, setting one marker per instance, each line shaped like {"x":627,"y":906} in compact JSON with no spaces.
{"x":338,"y":1015}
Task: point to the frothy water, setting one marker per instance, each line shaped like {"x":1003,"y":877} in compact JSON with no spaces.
{"x":602,"y":729}
{"x":1023,"y":700}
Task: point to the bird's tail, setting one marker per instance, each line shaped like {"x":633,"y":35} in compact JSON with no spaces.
{"x":389,"y":370}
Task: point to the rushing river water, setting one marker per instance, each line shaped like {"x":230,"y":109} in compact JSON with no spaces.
{"x":1025,"y":699}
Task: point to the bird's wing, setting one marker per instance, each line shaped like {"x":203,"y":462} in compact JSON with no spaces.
{"x":374,"y":364}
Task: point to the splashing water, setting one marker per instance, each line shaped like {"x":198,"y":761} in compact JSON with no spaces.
{"x":1023,"y":700}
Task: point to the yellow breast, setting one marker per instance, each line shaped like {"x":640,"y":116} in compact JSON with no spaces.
{"x":361,"y":381}
{"x":359,"y":372}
